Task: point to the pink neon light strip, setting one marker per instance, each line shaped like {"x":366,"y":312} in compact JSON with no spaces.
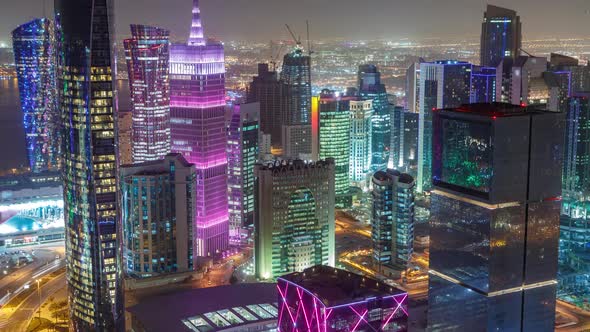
{"x":360,"y":320}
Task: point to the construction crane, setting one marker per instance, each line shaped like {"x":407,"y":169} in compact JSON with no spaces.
{"x":275,"y":57}
{"x":295,"y":39}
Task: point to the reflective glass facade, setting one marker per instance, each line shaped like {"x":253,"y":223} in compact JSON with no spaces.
{"x":296,"y":109}
{"x":371,"y":88}
{"x":294,"y":218}
{"x":494,"y":229}
{"x":483,"y":84}
{"x":147,"y":54}
{"x":361,"y":113}
{"x":392,"y":218}
{"x":574,"y":244}
{"x":242,"y":153}
{"x":197,"y":127}
{"x":34,"y":58}
{"x":267,"y":90}
{"x":88,"y":112}
{"x":500,"y":36}
{"x":158,"y":208}
{"x":334,"y":141}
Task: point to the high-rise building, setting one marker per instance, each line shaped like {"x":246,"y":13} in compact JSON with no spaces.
{"x":397,"y":137}
{"x":124,"y":133}
{"x":520,"y":81}
{"x":580,"y":75}
{"x":242,"y":153}
{"x":158,"y":207}
{"x":266,"y":90}
{"x":333,"y":112}
{"x":147,"y":54}
{"x":371,"y":88}
{"x":413,"y":88}
{"x":410,"y":144}
{"x":34,"y":59}
{"x":494,"y":223}
{"x":197,"y":127}
{"x":574,"y":282}
{"x":296,"y":109}
{"x":361,"y":113}
{"x":483,"y":84}
{"x":323,"y":298}
{"x":88,"y":112}
{"x":501,"y":36}
{"x":392,"y":218}
{"x":294,"y":218}
{"x":443,"y":84}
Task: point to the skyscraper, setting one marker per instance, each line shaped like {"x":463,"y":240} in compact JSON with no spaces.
{"x":88,"y":111}
{"x":147,"y":54}
{"x":574,"y":241}
{"x":410,"y":136}
{"x":34,"y":58}
{"x":483,"y":84}
{"x":397,"y":137}
{"x":266,"y":89}
{"x":501,"y":36}
{"x":197,"y":127}
{"x":361,"y":113}
{"x":494,"y":222}
{"x":392,"y":218}
{"x":124,"y":131}
{"x":158,"y":208}
{"x":371,"y":88}
{"x":334,"y":140}
{"x":294,"y":218}
{"x":580,"y":75}
{"x":242,"y":153}
{"x":413,"y":88}
{"x":296,"y":80}
{"x":443,"y":84}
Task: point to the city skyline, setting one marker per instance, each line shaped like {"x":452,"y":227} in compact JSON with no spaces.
{"x":228,"y":19}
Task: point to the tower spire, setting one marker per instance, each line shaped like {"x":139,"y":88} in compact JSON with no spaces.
{"x":196,"y":36}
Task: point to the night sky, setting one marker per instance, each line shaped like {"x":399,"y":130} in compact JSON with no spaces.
{"x":262,"y":20}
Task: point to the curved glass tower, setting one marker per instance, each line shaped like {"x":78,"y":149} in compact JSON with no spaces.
{"x":88,"y":109}
{"x":34,"y":57}
{"x":197,"y":126}
{"x":147,"y":55}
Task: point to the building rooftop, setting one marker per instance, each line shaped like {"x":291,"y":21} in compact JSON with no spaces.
{"x":495,"y":109}
{"x":208,"y":309}
{"x":336,"y":287}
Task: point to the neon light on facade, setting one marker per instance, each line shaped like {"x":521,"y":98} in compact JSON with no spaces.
{"x":34,"y":55}
{"x":147,"y":55}
{"x":197,"y":108}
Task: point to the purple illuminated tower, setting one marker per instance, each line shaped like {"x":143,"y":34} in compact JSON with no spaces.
{"x":197,"y":123}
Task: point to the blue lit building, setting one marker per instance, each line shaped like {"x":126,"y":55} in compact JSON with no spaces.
{"x":34,"y":58}
{"x":393,"y":217}
{"x":574,"y":281}
{"x":501,"y":36}
{"x":494,"y":222}
{"x":371,"y":88}
{"x":483,"y":84}
{"x":88,"y":111}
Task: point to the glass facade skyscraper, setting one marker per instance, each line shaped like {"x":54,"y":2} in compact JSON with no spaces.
{"x":501,"y":36}
{"x":294,"y":217}
{"x":494,"y":223}
{"x":443,"y":84}
{"x":361,"y":113}
{"x":35,"y":63}
{"x":158,"y":208}
{"x":88,"y":110}
{"x":296,"y":109}
{"x":197,"y":127}
{"x":266,"y":89}
{"x":147,"y":54}
{"x":392,"y":218}
{"x":334,"y":140}
{"x":574,"y":281}
{"x":371,"y":88}
{"x":242,"y":153}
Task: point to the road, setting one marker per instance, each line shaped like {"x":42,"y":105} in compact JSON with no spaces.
{"x":582,"y":317}
{"x":17,"y":320}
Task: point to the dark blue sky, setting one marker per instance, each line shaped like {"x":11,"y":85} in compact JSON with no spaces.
{"x":352,"y":19}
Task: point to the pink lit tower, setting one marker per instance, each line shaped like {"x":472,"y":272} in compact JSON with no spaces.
{"x":197,"y":127}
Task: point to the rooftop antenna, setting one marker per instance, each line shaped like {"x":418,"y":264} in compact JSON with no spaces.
{"x":309,"y":50}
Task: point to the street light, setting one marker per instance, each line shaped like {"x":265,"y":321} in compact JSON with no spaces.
{"x":39,"y":293}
